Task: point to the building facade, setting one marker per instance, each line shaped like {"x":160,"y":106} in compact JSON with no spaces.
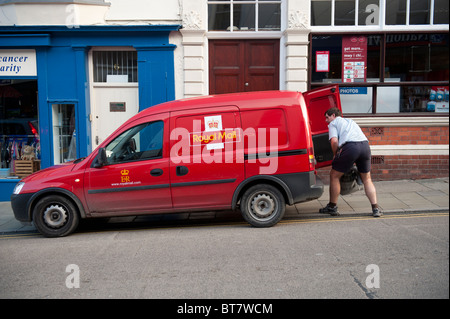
{"x":72,"y":71}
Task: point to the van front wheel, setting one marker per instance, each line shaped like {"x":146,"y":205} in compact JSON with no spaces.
{"x":262,"y":205}
{"x":55,"y":216}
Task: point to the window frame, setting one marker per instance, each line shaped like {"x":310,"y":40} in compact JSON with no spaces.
{"x":381,"y":26}
{"x":257,"y":3}
{"x":381,"y":82}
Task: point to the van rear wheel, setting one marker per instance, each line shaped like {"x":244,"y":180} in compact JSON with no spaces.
{"x":55,"y":216}
{"x":262,"y":205}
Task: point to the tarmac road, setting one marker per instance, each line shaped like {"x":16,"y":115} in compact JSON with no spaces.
{"x":397,"y":256}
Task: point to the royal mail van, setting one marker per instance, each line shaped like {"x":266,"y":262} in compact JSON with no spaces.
{"x":256,"y":152}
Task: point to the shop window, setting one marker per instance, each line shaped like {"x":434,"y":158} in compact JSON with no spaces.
{"x":419,"y":11}
{"x":64,"y":133}
{"x":332,"y":44}
{"x":344,"y":12}
{"x":115,"y":66}
{"x":397,"y":12}
{"x":440,"y":13}
{"x":406,"y":58}
{"x":320,"y":13}
{"x":238,"y":15}
{"x":417,"y":57}
{"x":368,"y":12}
{"x":19,"y":125}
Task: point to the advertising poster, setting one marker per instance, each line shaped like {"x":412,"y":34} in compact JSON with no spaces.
{"x":354,"y":58}
{"x":322,"y":61}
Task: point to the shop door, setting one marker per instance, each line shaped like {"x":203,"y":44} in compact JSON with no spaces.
{"x":243,"y":65}
{"x":113,"y":105}
{"x":114,"y":90}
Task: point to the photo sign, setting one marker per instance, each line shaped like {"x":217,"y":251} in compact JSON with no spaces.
{"x":17,"y":63}
{"x":354,"y":58}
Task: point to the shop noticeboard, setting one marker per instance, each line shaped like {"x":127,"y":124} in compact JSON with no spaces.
{"x":322,"y":61}
{"x":354,"y":58}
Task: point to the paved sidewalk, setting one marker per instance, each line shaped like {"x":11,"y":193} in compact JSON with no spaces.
{"x":426,"y":195}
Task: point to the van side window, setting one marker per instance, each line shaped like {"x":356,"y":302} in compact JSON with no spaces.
{"x":142,"y":142}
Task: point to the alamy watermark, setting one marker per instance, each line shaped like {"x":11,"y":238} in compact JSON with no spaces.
{"x":373,"y":279}
{"x":73,"y":279}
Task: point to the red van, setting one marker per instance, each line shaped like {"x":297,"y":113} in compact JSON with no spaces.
{"x":254,"y":151}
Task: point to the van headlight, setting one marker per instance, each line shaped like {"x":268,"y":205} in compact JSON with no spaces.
{"x":18,"y":188}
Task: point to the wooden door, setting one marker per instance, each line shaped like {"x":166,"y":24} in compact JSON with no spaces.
{"x":243,"y":65}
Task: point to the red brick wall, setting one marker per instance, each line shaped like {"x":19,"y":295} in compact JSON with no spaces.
{"x":392,"y":167}
{"x":407,"y":135}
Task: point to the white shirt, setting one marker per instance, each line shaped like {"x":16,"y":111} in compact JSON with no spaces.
{"x":345,"y":130}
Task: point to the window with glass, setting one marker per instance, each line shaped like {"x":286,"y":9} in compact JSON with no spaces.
{"x":367,"y":12}
{"x":242,"y":15}
{"x":19,"y":125}
{"x":142,"y":142}
{"x":384,"y":73}
{"x":64,"y":133}
{"x":115,"y":66}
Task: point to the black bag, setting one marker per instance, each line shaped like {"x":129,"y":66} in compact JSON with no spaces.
{"x":350,"y":181}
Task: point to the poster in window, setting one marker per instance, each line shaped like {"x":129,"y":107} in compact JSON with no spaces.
{"x":354,"y":59}
{"x":322,"y":61}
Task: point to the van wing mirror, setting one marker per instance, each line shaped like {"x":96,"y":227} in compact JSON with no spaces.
{"x":100,"y":159}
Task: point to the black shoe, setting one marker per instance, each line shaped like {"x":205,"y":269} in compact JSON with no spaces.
{"x":376,"y":212}
{"x":333,"y":211}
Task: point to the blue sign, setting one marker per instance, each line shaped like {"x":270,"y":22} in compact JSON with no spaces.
{"x":353,"y":90}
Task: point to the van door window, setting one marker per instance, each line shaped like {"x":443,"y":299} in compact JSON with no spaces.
{"x":142,"y":142}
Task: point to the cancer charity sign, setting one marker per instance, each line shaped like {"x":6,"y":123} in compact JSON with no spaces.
{"x":17,"y":63}
{"x":354,"y":59}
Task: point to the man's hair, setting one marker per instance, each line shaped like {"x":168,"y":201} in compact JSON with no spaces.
{"x":333,"y":110}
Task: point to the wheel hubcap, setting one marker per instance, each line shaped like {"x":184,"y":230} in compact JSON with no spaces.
{"x":55,"y":216}
{"x":263,"y":206}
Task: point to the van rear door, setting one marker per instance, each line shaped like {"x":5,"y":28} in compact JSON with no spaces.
{"x":318,"y":101}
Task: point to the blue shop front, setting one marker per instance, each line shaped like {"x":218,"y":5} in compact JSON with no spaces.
{"x":49,"y":76}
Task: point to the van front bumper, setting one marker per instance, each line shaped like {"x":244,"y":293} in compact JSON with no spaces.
{"x":20,"y":204}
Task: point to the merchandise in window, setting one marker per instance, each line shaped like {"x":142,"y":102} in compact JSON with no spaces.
{"x":19,"y":128}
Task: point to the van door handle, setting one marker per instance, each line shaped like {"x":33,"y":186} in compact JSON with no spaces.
{"x":182,"y":170}
{"x":156,"y":172}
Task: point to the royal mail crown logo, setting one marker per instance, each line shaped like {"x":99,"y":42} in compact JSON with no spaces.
{"x":124,"y":172}
{"x":213,"y":124}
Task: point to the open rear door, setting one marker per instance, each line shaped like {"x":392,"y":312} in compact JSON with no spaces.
{"x":318,"y":101}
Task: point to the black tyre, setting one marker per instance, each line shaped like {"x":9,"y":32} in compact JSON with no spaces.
{"x":55,"y":216}
{"x":262,"y":205}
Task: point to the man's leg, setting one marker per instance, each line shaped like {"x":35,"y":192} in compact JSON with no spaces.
{"x":369,"y":188}
{"x":335,"y":185}
{"x":335,"y":189}
{"x":371,"y":194}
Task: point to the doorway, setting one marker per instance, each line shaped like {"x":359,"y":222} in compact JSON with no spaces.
{"x":114,"y":90}
{"x":243,"y":65}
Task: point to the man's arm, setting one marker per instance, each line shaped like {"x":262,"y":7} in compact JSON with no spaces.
{"x":334,"y":145}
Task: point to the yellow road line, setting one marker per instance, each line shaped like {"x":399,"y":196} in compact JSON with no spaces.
{"x":283,"y":222}
{"x":353,"y":218}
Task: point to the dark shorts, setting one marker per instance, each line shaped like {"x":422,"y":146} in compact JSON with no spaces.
{"x":352,"y":152}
